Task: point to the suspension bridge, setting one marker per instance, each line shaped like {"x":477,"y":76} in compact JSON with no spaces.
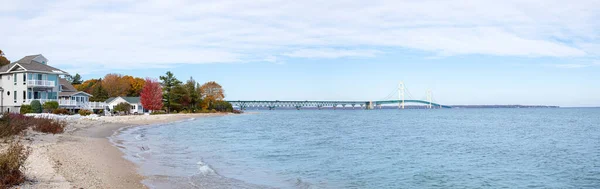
{"x":402,"y":94}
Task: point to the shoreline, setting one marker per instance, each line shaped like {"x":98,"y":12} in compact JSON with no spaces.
{"x":85,"y":157}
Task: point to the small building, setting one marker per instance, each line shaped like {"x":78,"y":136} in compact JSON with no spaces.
{"x":136,"y":105}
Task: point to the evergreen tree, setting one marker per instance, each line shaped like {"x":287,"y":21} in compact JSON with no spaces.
{"x":99,"y":94}
{"x":169,"y":82}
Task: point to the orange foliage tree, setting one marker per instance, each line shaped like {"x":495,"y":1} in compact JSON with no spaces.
{"x":211,"y":92}
{"x":116,"y":85}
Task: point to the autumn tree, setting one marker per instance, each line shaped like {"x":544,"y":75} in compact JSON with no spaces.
{"x":151,"y":95}
{"x":3,"y":59}
{"x":87,"y":85}
{"x":115,"y":85}
{"x":169,"y":82}
{"x":136,"y":85}
{"x":211,"y":93}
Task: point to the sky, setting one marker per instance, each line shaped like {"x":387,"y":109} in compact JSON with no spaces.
{"x":529,"y":52}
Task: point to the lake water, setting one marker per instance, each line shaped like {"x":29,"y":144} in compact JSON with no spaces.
{"x":439,"y":148}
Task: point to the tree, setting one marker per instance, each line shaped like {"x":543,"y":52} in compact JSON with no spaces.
{"x":222,"y":106}
{"x":169,"y":82}
{"x":98,"y":92}
{"x":191,"y":86}
{"x":115,"y":85}
{"x":136,"y":85}
{"x":36,"y":106}
{"x":3,"y":59}
{"x":74,"y":80}
{"x":87,"y":85}
{"x":151,"y":95}
{"x":211,"y":93}
{"x":50,"y":106}
{"x":122,"y":107}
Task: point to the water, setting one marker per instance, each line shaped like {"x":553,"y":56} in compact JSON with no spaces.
{"x":444,"y":148}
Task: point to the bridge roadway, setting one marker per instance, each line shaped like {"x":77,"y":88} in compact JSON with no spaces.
{"x":243,"y":104}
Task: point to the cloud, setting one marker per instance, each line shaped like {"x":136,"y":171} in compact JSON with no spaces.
{"x":133,"y":34}
{"x":331,"y":53}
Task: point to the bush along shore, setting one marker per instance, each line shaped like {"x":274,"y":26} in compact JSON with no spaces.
{"x":14,"y":154}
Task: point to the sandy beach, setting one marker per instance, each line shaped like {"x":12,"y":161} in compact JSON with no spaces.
{"x":83,"y":156}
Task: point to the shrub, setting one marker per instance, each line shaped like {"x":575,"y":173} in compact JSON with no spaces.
{"x":50,"y":106}
{"x":25,"y":109}
{"x":11,"y":162}
{"x":36,"y":107}
{"x":221,"y":106}
{"x":85,"y":112}
{"x":213,"y":111}
{"x":12,"y":124}
{"x":204,"y":111}
{"x":237,"y":111}
{"x":157,"y":112}
{"x":47,"y":125}
{"x":122,"y":107}
{"x":61,"y":111}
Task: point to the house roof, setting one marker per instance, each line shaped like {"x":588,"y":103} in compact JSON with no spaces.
{"x":71,"y":93}
{"x":66,"y":85}
{"x":30,"y":64}
{"x":130,"y":100}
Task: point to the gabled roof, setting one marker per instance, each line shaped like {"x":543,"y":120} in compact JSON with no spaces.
{"x":28,"y":63}
{"x":130,"y":100}
{"x":28,"y":59}
{"x":66,"y":85}
{"x":72,"y":93}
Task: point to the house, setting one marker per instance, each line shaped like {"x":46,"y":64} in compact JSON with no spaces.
{"x":31,"y":78}
{"x":136,"y":105}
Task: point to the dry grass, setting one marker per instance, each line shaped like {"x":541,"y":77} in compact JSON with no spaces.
{"x":12,"y":124}
{"x":47,"y":125}
{"x":12,"y":161}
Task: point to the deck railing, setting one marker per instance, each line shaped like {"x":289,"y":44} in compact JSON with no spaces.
{"x":71,"y":103}
{"x":40,"y":83}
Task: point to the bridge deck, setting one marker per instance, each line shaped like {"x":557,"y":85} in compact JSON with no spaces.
{"x":319,"y":104}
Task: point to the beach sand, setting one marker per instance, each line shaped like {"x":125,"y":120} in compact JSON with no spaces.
{"x":83,"y":157}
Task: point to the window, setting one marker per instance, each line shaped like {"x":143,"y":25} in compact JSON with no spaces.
{"x":15,"y":97}
{"x":15,"y":78}
{"x":8,"y":93}
{"x":24,"y":96}
{"x":133,"y":107}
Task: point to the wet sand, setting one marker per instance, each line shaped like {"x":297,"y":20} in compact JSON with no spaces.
{"x":83,"y":157}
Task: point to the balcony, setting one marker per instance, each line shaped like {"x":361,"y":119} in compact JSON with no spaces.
{"x":40,"y":83}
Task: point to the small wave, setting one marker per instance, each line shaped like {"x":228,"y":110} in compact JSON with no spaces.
{"x":205,"y":169}
{"x":302,"y":184}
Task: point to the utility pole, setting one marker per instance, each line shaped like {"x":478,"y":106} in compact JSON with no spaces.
{"x":401,"y":94}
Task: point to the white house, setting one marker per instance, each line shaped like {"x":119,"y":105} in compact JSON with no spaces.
{"x":136,"y":105}
{"x":31,"y":78}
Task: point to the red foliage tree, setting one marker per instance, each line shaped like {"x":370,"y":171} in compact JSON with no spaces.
{"x":152,"y":95}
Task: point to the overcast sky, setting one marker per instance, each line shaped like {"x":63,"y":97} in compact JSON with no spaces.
{"x":467,"y":52}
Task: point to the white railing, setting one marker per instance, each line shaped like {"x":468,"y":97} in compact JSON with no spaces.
{"x":62,"y":102}
{"x":40,"y":83}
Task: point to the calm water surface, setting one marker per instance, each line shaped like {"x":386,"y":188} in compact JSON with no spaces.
{"x":444,"y":148}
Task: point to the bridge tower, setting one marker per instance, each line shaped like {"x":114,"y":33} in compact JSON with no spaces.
{"x":401,"y":94}
{"x":429,"y":98}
